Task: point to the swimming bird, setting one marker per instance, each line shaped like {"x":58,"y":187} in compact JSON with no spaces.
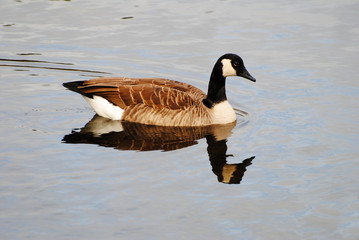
{"x":158,"y":101}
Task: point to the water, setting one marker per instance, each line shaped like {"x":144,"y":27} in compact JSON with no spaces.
{"x":301,"y":126}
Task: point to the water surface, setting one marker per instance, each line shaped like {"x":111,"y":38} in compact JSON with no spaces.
{"x":295,"y":152}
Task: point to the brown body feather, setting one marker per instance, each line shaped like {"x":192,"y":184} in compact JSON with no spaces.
{"x":152,"y":100}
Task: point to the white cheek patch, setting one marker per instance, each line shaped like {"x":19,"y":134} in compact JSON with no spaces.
{"x":227,"y":68}
{"x":104,"y":108}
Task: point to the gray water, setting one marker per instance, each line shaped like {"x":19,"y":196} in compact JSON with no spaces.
{"x":301,"y":127}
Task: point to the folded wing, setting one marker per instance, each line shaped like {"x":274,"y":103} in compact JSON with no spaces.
{"x":153,"y":92}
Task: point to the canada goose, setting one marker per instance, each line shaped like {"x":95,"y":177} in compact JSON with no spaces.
{"x":158,"y":101}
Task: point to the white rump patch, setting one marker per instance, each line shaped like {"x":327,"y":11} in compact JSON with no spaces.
{"x":104,"y":108}
{"x":223,"y":113}
{"x":227,"y":68}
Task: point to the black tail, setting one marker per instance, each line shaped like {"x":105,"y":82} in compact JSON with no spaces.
{"x":73,"y":86}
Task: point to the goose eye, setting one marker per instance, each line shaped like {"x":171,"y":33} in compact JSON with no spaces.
{"x":235,"y":64}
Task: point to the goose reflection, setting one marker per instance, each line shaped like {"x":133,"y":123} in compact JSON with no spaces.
{"x":134,"y":136}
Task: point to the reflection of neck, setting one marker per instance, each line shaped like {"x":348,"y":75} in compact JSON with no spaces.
{"x":217,"y":155}
{"x":217,"y":150}
{"x":226,"y":173}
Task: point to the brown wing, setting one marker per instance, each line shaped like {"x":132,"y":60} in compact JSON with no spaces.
{"x":158,"y":92}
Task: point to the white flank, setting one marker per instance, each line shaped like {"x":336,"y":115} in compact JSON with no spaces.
{"x":104,"y":108}
{"x":223,"y":113}
{"x":227,"y":68}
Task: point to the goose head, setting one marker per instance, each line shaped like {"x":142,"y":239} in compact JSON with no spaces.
{"x":232,"y":65}
{"x":228,"y":65}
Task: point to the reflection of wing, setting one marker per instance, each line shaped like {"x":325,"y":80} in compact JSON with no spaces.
{"x":135,"y":136}
{"x":124,"y":141}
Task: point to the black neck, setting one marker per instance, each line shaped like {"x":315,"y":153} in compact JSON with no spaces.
{"x":216,"y":88}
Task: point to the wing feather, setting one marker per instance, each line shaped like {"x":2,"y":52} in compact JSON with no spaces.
{"x":154,"y":92}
